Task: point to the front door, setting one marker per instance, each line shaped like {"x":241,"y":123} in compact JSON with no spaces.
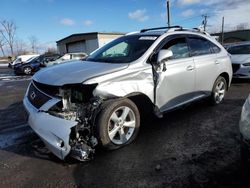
{"x":176,"y":81}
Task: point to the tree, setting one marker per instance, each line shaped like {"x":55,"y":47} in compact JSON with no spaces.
{"x":8,"y":32}
{"x":51,"y":50}
{"x":21,"y":47}
{"x":33,"y":43}
{"x":2,"y":44}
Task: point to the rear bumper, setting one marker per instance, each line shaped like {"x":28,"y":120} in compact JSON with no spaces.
{"x":54,"y":131}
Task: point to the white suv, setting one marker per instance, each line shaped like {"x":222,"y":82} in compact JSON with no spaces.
{"x":77,"y":105}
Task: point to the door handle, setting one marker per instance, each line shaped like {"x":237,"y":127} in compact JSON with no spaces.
{"x":190,"y":68}
{"x":216,"y":62}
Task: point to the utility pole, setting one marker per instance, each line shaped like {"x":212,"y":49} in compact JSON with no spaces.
{"x":205,"y":21}
{"x":168,"y":12}
{"x":222,"y":31}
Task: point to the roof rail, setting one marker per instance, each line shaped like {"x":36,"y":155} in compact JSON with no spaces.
{"x":202,"y":31}
{"x":194,"y":29}
{"x":159,"y":28}
{"x":133,"y":32}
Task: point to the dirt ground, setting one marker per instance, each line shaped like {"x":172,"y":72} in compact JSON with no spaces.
{"x":193,"y":147}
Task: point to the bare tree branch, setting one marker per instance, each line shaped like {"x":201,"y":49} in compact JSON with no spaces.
{"x":2,"y":44}
{"x":21,"y":47}
{"x":8,"y":31}
{"x":33,"y":43}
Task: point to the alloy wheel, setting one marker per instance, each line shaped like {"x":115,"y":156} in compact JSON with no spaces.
{"x":220,"y":90}
{"x":122,"y":124}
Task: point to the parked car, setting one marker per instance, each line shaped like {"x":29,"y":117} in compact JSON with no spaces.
{"x":33,"y":64}
{"x":21,"y":58}
{"x":67,"y":57}
{"x":245,"y":131}
{"x":51,"y":57}
{"x":240,"y":56}
{"x":28,"y":67}
{"x":75,"y":106}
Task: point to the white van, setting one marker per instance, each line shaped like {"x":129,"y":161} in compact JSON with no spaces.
{"x":22,"y":58}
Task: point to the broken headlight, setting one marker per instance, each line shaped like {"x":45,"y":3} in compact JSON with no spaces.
{"x":74,"y":99}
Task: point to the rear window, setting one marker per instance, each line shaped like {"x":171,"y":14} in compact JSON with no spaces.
{"x":243,"y":49}
{"x":202,"y":46}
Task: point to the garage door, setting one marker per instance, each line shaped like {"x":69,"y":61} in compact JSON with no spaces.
{"x":76,"y":47}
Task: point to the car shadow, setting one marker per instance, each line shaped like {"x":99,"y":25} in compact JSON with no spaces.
{"x":240,"y":80}
{"x":12,"y":116}
{"x":184,"y":148}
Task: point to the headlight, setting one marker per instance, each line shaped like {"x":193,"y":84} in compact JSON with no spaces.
{"x":246,"y":64}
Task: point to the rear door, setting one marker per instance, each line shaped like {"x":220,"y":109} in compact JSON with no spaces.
{"x":176,"y":82}
{"x":206,"y":62}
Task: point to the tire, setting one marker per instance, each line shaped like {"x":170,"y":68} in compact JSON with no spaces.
{"x":219,"y":91}
{"x":113,"y":130}
{"x":27,"y":70}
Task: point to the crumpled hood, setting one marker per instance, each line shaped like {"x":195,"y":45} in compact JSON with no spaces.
{"x":240,"y":59}
{"x":75,"y":72}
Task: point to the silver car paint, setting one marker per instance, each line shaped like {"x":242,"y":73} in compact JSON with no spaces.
{"x":177,"y":78}
{"x":119,"y":80}
{"x":75,"y":72}
{"x":243,"y":71}
{"x":244,"y":124}
{"x":52,"y":130}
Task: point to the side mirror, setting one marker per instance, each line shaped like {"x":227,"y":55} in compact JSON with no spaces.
{"x":164,"y":55}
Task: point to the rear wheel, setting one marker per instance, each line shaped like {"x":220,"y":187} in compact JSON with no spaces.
{"x":27,"y":70}
{"x":219,"y":90}
{"x":118,"y":124}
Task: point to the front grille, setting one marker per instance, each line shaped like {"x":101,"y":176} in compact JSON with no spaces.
{"x":48,"y":89}
{"x":36,"y":97}
{"x":235,"y":67}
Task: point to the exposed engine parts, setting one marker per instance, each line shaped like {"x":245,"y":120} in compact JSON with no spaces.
{"x":73,"y":107}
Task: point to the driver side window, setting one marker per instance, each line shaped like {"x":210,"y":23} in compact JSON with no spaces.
{"x":179,"y":48}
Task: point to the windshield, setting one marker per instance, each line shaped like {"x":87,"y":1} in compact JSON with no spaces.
{"x":123,"y":50}
{"x":32,"y":58}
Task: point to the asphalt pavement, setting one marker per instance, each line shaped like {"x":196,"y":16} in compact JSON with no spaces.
{"x":193,"y":147}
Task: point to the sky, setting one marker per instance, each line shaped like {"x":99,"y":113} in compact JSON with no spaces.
{"x":52,"y":20}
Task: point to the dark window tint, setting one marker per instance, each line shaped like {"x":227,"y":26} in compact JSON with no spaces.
{"x":243,"y":49}
{"x":179,"y":48}
{"x":199,"y":46}
{"x":214,"y":48}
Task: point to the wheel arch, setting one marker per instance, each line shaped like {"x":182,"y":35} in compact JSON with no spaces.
{"x":143,"y":103}
{"x":225,"y":75}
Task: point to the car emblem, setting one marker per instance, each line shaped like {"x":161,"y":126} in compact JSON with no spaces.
{"x":33,"y":95}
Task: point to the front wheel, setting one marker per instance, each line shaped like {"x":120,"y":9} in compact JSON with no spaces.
{"x":27,"y":70}
{"x":219,"y":90}
{"x":118,"y":124}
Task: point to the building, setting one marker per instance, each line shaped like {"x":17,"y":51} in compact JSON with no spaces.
{"x":234,"y":36}
{"x":85,"y":42}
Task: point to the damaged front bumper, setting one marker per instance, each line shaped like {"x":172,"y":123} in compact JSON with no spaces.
{"x":65,"y":127}
{"x":54,"y":131}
